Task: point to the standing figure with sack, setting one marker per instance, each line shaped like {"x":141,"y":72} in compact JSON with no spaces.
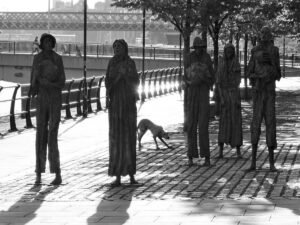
{"x":228,"y":79}
{"x":199,"y":80}
{"x":263,"y":71}
{"x":47,"y":81}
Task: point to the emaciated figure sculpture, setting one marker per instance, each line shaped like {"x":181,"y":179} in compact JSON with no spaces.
{"x":228,"y":78}
{"x":47,"y":81}
{"x":200,"y":78}
{"x":121,"y":83}
{"x":263,"y":71}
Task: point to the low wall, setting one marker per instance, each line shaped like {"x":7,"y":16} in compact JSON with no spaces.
{"x":16,"y":68}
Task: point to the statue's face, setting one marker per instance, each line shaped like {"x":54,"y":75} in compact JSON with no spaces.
{"x":229,"y":53}
{"x":119,"y":49}
{"x":47,"y":43}
{"x":265,"y":34}
{"x":199,"y":50}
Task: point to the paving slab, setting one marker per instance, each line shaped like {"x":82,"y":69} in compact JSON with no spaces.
{"x":170,"y":191}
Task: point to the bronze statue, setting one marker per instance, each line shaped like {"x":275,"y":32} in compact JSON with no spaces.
{"x":199,"y":80}
{"x":228,"y":79}
{"x":47,"y":81}
{"x":263,"y":71}
{"x":122,"y":83}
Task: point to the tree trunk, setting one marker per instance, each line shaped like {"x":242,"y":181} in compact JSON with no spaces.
{"x":245,"y":65}
{"x":216,"y":50}
{"x":186,"y":51}
{"x":204,"y":34}
{"x":253,"y":40}
{"x":186,"y":39}
{"x":237,"y":44}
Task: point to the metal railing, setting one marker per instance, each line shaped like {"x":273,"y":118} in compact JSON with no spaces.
{"x":95,"y":50}
{"x":291,"y":60}
{"x":157,"y":83}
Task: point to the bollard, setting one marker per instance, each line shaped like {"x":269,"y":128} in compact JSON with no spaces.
{"x":68,"y":108}
{"x":99,"y":107}
{"x":12,"y":118}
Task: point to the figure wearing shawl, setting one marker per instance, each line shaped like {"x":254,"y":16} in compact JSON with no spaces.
{"x":263,"y":71}
{"x":47,"y":81}
{"x":199,"y":80}
{"x":121,"y":83}
{"x":228,"y":78}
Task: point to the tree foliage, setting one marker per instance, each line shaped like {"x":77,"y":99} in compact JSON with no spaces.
{"x":177,"y":12}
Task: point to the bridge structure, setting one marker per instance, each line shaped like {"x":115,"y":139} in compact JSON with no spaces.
{"x":74,"y":21}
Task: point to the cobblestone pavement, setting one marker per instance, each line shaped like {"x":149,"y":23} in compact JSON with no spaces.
{"x":169,"y":192}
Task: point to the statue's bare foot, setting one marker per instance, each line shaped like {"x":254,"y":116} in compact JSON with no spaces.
{"x":206,"y":163}
{"x":132,"y":180}
{"x":273,"y":169}
{"x":220,"y":156}
{"x":239,"y":156}
{"x":251,"y":168}
{"x":57,"y":180}
{"x":190,"y":162}
{"x":38,"y":179}
{"x":116,"y":183}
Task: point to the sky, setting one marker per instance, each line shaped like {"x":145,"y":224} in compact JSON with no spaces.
{"x":33,"y":5}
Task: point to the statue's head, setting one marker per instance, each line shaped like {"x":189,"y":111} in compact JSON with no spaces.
{"x":199,"y":45}
{"x":47,"y":39}
{"x":120,"y":47}
{"x":229,"y":51}
{"x":266,"y":34}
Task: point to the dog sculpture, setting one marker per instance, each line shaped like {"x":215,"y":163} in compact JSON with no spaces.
{"x":157,"y":132}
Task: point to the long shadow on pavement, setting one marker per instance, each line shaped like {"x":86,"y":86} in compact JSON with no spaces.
{"x":113,"y":207}
{"x":24,"y":210}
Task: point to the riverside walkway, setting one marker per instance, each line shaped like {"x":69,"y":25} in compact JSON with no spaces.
{"x":170,"y":192}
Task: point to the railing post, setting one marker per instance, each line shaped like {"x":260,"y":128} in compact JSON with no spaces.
{"x":12,"y":118}
{"x":180,"y":80}
{"x":160,"y":81}
{"x":97,"y":50}
{"x":68,"y":108}
{"x":165,"y":81}
{"x":79,"y":111}
{"x":99,"y":107}
{"x":176,"y":79}
{"x":170,"y":80}
{"x":27,"y":109}
{"x":89,"y":102}
{"x":149,"y":95}
{"x":143,"y":94}
{"x":155,"y":83}
{"x":69,"y":49}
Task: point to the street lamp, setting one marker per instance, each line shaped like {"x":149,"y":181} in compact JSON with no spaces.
{"x":48,"y":26}
{"x":85,"y":107}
